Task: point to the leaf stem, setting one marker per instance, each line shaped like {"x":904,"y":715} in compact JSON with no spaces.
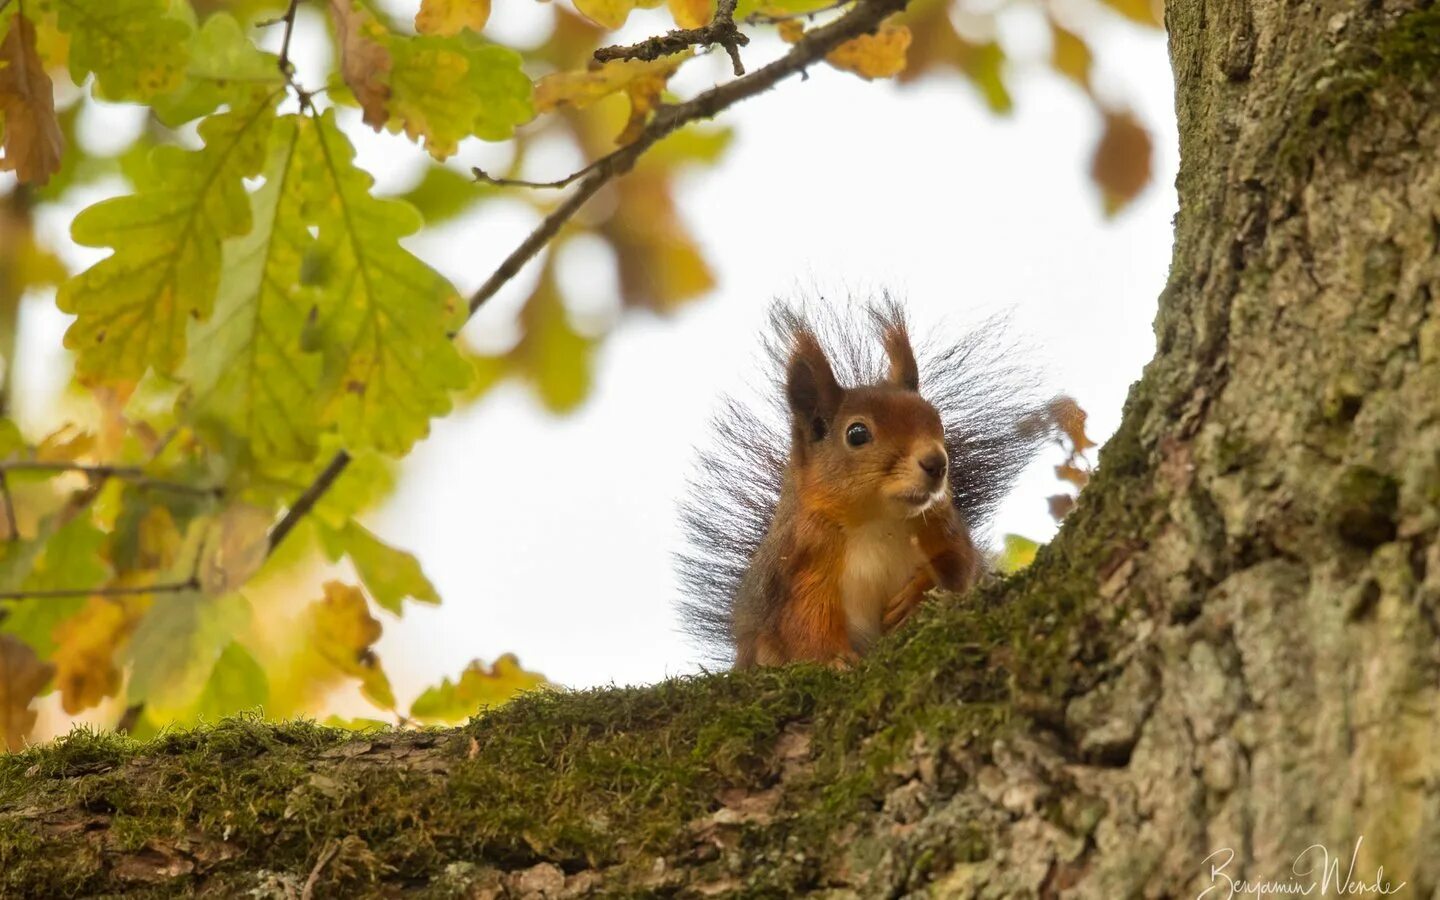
{"x":133,"y":474}
{"x":164,"y":587}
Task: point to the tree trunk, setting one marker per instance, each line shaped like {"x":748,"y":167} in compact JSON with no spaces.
{"x":1231,"y":647}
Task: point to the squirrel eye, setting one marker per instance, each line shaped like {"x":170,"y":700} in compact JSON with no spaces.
{"x":857,"y":434}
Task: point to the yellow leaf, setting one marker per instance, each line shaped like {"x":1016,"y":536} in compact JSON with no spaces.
{"x":791,"y":30}
{"x":448,"y":17}
{"x":1069,"y":55}
{"x":22,"y":675}
{"x":1073,"y":474}
{"x":66,"y":444}
{"x":611,"y":13}
{"x":878,"y":55}
{"x":364,"y":60}
{"x":478,"y":687}
{"x":1121,"y":166}
{"x":1146,"y":12}
{"x":33,"y":142}
{"x":691,"y":13}
{"x":643,"y":82}
{"x":343,"y":632}
{"x":661,"y":265}
{"x":236,"y":549}
{"x":85,"y":670}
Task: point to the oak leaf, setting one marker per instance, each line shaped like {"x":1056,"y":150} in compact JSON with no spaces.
{"x":364,"y":59}
{"x":22,"y":676}
{"x":132,"y":309}
{"x":134,"y":47}
{"x":447,"y":17}
{"x":33,"y":142}
{"x":478,"y":688}
{"x":611,"y":13}
{"x":878,"y":55}
{"x":343,"y":633}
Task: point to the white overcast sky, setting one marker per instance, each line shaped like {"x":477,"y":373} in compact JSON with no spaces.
{"x":553,"y":537}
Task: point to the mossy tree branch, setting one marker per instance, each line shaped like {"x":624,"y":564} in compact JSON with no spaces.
{"x":1233,"y":644}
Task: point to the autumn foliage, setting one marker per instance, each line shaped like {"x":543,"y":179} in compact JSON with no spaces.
{"x":257,"y":347}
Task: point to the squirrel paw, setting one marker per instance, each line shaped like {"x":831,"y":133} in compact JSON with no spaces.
{"x":844,"y":661}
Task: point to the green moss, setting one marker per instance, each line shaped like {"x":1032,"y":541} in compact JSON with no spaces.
{"x":1406,"y":55}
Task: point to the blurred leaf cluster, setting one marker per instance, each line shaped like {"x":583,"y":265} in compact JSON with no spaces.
{"x":256,"y":311}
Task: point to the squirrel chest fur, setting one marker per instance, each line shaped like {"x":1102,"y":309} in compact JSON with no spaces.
{"x":880,"y":559}
{"x":812,"y":544}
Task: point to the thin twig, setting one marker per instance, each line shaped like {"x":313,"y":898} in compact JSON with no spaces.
{"x":133,"y":474}
{"x":487,"y":178}
{"x":287,"y":68}
{"x":307,"y":500}
{"x":10,"y":519}
{"x":721,"y":31}
{"x":758,"y":18}
{"x":164,"y":587}
{"x":864,"y":18}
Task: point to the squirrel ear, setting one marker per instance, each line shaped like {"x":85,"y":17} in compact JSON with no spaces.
{"x":904,"y":373}
{"x":810,"y":386}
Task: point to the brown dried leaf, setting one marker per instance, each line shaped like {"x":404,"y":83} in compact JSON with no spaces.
{"x":22,"y":675}
{"x":364,"y":62}
{"x":1073,"y":474}
{"x":1070,"y":418}
{"x":1060,"y":506}
{"x":1121,"y":166}
{"x":33,"y":141}
{"x":878,"y":55}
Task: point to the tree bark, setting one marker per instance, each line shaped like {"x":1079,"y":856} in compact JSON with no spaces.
{"x":1230,"y":648}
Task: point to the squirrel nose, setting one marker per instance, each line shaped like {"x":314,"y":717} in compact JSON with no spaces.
{"x":933,"y":463}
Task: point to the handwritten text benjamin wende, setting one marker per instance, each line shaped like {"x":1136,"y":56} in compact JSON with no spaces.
{"x":1316,"y":873}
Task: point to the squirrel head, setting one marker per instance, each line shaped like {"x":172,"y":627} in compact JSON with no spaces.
{"x":866,"y":453}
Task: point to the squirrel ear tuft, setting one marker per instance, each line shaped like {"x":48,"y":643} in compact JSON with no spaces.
{"x":810,"y":385}
{"x":904,"y":372}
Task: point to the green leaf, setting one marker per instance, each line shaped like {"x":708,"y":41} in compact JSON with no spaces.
{"x":69,"y":558}
{"x":254,"y":378}
{"x":237,"y":683}
{"x":176,"y":646}
{"x":386,"y":316}
{"x":133,"y":307}
{"x":390,"y":575}
{"x":1019,"y":552}
{"x":479,"y":687}
{"x":134,"y":47}
{"x":224,"y":65}
{"x":444,"y":89}
{"x":551,"y":355}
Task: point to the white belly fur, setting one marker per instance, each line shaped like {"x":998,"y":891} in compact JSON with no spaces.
{"x":880,"y":559}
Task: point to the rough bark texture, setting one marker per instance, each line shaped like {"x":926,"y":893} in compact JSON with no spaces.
{"x":1231,"y":645}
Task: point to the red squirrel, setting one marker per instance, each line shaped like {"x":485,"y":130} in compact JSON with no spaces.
{"x":809,"y":544}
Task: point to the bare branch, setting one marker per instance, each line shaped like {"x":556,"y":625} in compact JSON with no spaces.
{"x":133,"y":474}
{"x":863,"y":18}
{"x":721,"y":31}
{"x":164,"y":587}
{"x":307,"y":500}
{"x":10,"y":520}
